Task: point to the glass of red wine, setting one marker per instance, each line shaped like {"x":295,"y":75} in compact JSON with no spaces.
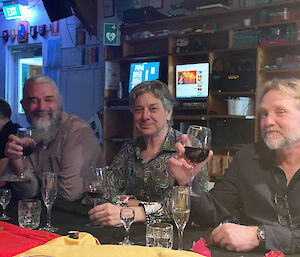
{"x":95,"y":188}
{"x":199,"y":147}
{"x":25,"y":134}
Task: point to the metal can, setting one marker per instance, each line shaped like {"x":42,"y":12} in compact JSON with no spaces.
{"x":73,"y":234}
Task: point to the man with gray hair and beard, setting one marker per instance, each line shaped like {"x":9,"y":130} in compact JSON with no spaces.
{"x":256,"y":203}
{"x":63,"y":143}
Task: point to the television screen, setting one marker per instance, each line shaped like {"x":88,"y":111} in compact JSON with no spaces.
{"x":192,"y":80}
{"x":140,"y":72}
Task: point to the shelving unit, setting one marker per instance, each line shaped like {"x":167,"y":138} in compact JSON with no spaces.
{"x":218,"y":44}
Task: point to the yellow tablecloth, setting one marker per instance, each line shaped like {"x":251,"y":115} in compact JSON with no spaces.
{"x":88,"y":246}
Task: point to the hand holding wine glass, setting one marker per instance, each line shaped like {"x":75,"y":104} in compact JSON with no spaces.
{"x":198,"y":149}
{"x":49,"y":192}
{"x":5,"y":196}
{"x":95,"y":188}
{"x":28,"y":144}
{"x":181,"y":208}
{"x":127,"y":217}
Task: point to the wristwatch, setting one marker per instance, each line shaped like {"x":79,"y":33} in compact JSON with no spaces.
{"x":261,"y":234}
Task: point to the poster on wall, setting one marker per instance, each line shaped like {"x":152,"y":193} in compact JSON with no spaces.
{"x":53,"y":59}
{"x":22,"y":35}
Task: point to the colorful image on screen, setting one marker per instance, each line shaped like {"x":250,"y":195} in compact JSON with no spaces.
{"x":192,"y":80}
{"x":140,"y":72}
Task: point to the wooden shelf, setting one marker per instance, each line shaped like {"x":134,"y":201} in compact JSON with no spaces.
{"x":189,"y":117}
{"x":246,"y":117}
{"x":283,"y":71}
{"x":296,"y":43}
{"x":241,"y":93}
{"x":213,"y":12}
{"x":218,"y":44}
{"x":227,"y":147}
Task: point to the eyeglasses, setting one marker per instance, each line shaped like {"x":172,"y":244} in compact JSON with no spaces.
{"x":284,"y":216}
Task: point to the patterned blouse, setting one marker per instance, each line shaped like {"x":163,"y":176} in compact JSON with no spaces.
{"x":129,"y":176}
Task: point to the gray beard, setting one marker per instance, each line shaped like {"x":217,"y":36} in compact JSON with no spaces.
{"x":44,"y":131}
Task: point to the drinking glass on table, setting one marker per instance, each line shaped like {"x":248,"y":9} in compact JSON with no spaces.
{"x":95,"y":188}
{"x":199,"y":147}
{"x":5,"y":196}
{"x":127,"y":217}
{"x":49,"y":192}
{"x":181,"y":208}
{"x":29,"y":211}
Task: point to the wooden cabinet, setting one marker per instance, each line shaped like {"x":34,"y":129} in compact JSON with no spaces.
{"x":258,"y":52}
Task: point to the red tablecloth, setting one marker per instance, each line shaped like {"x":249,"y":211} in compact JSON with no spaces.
{"x":15,"y":240}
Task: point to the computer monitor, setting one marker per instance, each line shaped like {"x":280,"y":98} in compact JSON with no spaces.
{"x":192,"y":80}
{"x":144,"y":71}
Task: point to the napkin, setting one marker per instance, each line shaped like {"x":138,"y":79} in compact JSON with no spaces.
{"x":14,"y":239}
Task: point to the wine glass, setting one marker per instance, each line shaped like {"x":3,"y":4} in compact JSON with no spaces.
{"x":198,"y":150}
{"x":49,"y":192}
{"x":28,"y":146}
{"x":181,"y":208}
{"x":5,"y":195}
{"x":95,"y":188}
{"x":127,"y":217}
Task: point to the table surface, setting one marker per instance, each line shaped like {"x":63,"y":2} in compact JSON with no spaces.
{"x":69,"y":216}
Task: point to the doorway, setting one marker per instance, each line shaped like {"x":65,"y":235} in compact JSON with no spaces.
{"x":23,"y":62}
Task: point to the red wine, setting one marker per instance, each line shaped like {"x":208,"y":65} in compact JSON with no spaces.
{"x":196,"y":154}
{"x":27,"y":150}
{"x":95,"y":194}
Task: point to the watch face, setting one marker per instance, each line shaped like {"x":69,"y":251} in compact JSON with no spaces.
{"x":261,"y":234}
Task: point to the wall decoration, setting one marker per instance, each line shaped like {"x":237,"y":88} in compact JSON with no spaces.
{"x":12,"y":34}
{"x":90,"y":55}
{"x":42,"y":30}
{"x":33,"y":31}
{"x":111,"y":34}
{"x":80,"y":36}
{"x":5,"y":35}
{"x":54,"y":28}
{"x":108,"y":8}
{"x":22,"y":31}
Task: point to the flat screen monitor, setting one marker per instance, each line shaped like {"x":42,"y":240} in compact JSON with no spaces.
{"x":144,"y":71}
{"x":192,"y":80}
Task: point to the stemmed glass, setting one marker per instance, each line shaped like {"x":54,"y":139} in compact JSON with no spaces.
{"x":127,"y":217}
{"x":28,"y":147}
{"x":49,"y":192}
{"x":181,"y":208}
{"x":95,"y":188}
{"x":5,"y":195}
{"x":198,"y":150}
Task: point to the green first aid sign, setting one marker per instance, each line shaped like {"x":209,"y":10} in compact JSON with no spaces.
{"x":111,"y":34}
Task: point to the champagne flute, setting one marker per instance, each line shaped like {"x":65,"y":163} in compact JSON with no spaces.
{"x":181,"y":208}
{"x":127,"y":217}
{"x":28,"y":147}
{"x":5,"y":195}
{"x":198,"y":150}
{"x":49,"y":192}
{"x":95,"y":188}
